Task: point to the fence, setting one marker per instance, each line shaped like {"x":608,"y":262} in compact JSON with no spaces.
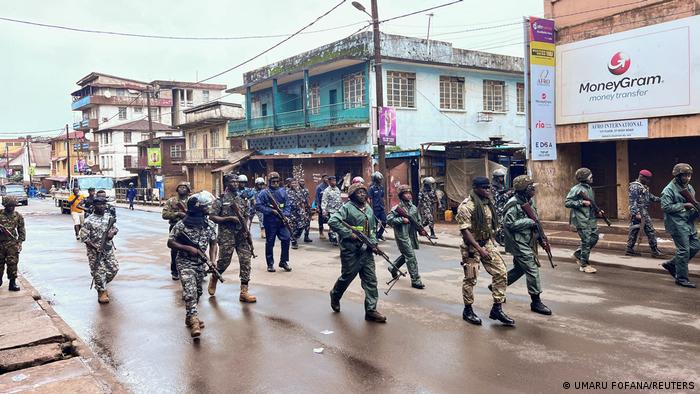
{"x":145,"y":196}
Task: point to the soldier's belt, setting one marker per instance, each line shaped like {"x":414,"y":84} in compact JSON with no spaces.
{"x":358,"y":228}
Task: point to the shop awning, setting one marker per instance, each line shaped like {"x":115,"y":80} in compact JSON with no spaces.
{"x":125,"y":178}
{"x":57,"y":178}
{"x":234,"y":160}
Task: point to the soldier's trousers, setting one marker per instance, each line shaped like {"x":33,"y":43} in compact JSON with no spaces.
{"x":103,"y":271}
{"x":635,"y":227}
{"x":355,"y":263}
{"x":496,"y":267}
{"x":173,"y":256}
{"x":242,"y":248}
{"x":381,"y":218}
{"x":589,"y":238}
{"x":408,"y":257}
{"x":191,"y":277}
{"x":687,"y":246}
{"x":526,"y":265}
{"x":273,"y":230}
{"x":9,"y":256}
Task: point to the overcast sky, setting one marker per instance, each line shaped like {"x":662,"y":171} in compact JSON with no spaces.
{"x":40,"y":66}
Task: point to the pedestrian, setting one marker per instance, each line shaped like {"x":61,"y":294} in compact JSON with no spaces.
{"x":297,"y":210}
{"x":500,"y":195}
{"x":477,"y":221}
{"x":640,"y":197}
{"x":259,"y":186}
{"x":307,"y":209}
{"x":88,"y":202}
{"x":319,"y":197}
{"x":189,"y":238}
{"x":232,"y":235}
{"x":330,"y":204}
{"x":406,"y":235}
{"x":376,"y":197}
{"x":103,"y":263}
{"x":521,"y":241}
{"x":583,"y":217}
{"x":12,"y":235}
{"x":355,"y":257}
{"x":131,"y":195}
{"x":76,"y":211}
{"x":427,"y":204}
{"x":680,"y":214}
{"x":175,"y":209}
{"x":276,"y":222}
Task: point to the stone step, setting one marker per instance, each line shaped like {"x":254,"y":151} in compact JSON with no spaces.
{"x":618,"y":227}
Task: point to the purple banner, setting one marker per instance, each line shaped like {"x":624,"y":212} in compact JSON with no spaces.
{"x":387,"y":125}
{"x":541,"y":30}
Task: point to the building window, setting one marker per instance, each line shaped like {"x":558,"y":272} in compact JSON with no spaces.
{"x":122,"y":113}
{"x":315,"y":99}
{"x":214,"y":138}
{"x":138,"y":110}
{"x":102,"y":162}
{"x":127,"y":137}
{"x":494,"y":96}
{"x":520,"y":90}
{"x":145,"y":136}
{"x":193,"y":140}
{"x":186,"y":97}
{"x":154,"y":115}
{"x":205,"y":96}
{"x":401,"y":89}
{"x":451,"y":92}
{"x":354,"y":90}
{"x":127,"y":161}
{"x":176,"y":151}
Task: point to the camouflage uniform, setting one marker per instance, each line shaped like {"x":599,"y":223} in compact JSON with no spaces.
{"x":307,"y":209}
{"x":406,"y":238}
{"x":500,"y":196}
{"x":330,"y":204}
{"x":170,"y":210}
{"x":191,"y":267}
{"x":257,"y":213}
{"x":584,"y":220}
{"x":640,"y":197}
{"x":680,"y":224}
{"x":230,"y":235}
{"x":106,"y":269}
{"x":9,"y":248}
{"x":522,"y":244}
{"x":496,"y":267}
{"x":299,"y":216}
{"x":427,"y":200}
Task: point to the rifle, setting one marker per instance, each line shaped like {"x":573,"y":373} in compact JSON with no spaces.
{"x":541,"y":236}
{"x":244,"y":227}
{"x":276,"y":208}
{"x":584,"y":197}
{"x":421,"y":230}
{"x":103,"y":244}
{"x":691,"y":199}
{"x":212,"y":268}
{"x":5,"y":231}
{"x":641,"y":229}
{"x":362,"y":237}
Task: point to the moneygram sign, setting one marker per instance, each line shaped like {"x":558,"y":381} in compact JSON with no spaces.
{"x":641,"y":73}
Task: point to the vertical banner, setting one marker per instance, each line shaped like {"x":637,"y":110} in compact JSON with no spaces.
{"x":387,"y":125}
{"x":541,"y":56}
{"x":154,"y":158}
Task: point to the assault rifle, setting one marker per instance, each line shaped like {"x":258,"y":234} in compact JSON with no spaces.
{"x":276,"y":208}
{"x":541,"y":236}
{"x":103,"y":244}
{"x":585,"y":197}
{"x":5,"y":231}
{"x":362,"y":237}
{"x":421,"y":230}
{"x":185,"y":239}
{"x":691,"y":199}
{"x":244,"y":227}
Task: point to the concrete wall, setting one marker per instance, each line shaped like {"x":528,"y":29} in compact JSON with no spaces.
{"x":555,"y":178}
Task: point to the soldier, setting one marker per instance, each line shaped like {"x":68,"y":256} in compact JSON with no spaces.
{"x":583,"y":218}
{"x":427,"y":204}
{"x":86,"y":205}
{"x":190,"y":236}
{"x":319,"y":197}
{"x":105,"y":267}
{"x":521,"y":241}
{"x":679,"y":216}
{"x":12,"y":235}
{"x":274,"y":221}
{"x":406,"y":235}
{"x":231,"y":235}
{"x":354,"y":257}
{"x":640,"y":197}
{"x":259,"y":186}
{"x":174,"y":210}
{"x":376,"y":197}
{"x":477,"y":221}
{"x":75,"y":200}
{"x":110,"y":208}
{"x":307,"y":209}
{"x":500,"y":196}
{"x":330,"y":204}
{"x":298,"y":215}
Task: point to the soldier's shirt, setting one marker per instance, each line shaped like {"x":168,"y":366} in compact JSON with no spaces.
{"x":223,"y":207}
{"x":201,"y":235}
{"x":465,"y":210}
{"x":640,"y":198}
{"x":14,"y":222}
{"x":93,"y":229}
{"x":331,"y":200}
{"x":172,"y":207}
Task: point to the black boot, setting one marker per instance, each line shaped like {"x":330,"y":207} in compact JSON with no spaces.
{"x":394,"y":273}
{"x":375,"y":317}
{"x":271,"y":268}
{"x":656,"y":253}
{"x":631,"y":252}
{"x":335,"y":303}
{"x":0,"y":280}
{"x":285,"y":266}
{"x":537,"y":306}
{"x":432,"y":233}
{"x":498,"y":314}
{"x":469,"y":315}
{"x":306,"y":238}
{"x":670,"y":267}
{"x":13,"y":285}
{"x":680,"y":282}
{"x":295,"y":244}
{"x":418,"y":285}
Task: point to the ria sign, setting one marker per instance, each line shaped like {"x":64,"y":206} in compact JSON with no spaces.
{"x":619,"y":63}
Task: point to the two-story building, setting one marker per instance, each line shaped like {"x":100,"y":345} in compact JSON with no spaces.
{"x":71,"y":154}
{"x":161,"y":172}
{"x":310,"y":114}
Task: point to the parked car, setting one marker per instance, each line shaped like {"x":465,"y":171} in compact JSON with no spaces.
{"x":16,"y":191}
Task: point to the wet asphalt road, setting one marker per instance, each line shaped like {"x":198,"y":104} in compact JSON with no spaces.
{"x":616,"y":325}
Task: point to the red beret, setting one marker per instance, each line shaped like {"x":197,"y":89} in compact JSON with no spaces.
{"x":645,"y":173}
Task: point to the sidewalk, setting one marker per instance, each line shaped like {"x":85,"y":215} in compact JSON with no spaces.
{"x":39,"y":353}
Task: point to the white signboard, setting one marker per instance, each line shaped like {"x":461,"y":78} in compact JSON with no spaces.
{"x":646,"y":72}
{"x":619,"y":129}
{"x":544,"y":141}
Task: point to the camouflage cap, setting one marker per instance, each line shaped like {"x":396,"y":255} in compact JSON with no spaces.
{"x":184,"y":183}
{"x":272,"y":175}
{"x":355,"y":187}
{"x":403,"y":189}
{"x":582,"y":174}
{"x":682,"y":168}
{"x":99,"y":201}
{"x":9,"y":201}
{"x":499,"y":172}
{"x":521,"y":182}
{"x":429,"y":180}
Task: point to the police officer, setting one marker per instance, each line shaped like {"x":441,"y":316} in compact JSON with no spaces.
{"x":640,"y":198}
{"x":679,"y":217}
{"x":583,"y":218}
{"x":174,"y":210}
{"x":11,"y":238}
{"x":259,"y":186}
{"x":406,"y":236}
{"x":427,"y":204}
{"x":307,"y":209}
{"x":376,"y":197}
{"x":104,"y":268}
{"x":274,"y":222}
{"x":320,"y":188}
{"x":500,"y":196}
{"x":330,"y":204}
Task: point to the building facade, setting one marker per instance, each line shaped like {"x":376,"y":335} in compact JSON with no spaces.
{"x":152,"y":174}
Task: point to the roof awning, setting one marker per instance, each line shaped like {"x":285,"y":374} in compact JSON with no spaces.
{"x":59,"y":158}
{"x":125,"y":178}
{"x":236,"y":159}
{"x":57,"y":178}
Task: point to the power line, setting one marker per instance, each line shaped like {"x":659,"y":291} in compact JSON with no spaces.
{"x":420,"y":11}
{"x":445,"y":115}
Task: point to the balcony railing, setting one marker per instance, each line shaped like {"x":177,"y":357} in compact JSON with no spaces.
{"x":119,"y":100}
{"x":324,"y":116}
{"x":85,"y":124}
{"x":200,"y":154}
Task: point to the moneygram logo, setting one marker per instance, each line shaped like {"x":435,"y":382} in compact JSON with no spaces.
{"x":619,"y":63}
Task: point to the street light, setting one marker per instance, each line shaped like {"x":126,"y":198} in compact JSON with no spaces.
{"x":360,"y":7}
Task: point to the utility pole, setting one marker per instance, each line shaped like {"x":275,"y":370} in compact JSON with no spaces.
{"x":379,"y":93}
{"x":148,"y":104}
{"x":29,"y":159}
{"x":68,"y":153}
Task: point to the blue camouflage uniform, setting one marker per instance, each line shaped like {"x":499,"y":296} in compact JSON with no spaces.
{"x":274,"y":227}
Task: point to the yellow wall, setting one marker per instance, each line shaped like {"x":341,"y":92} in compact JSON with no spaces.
{"x":58,"y":149}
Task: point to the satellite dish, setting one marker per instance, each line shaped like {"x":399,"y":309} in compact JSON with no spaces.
{"x":108,"y":94}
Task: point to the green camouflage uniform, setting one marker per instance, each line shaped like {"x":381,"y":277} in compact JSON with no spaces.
{"x":231,"y":237}
{"x":106,"y":269}
{"x":191,"y":267}
{"x":679,"y":222}
{"x":9,"y":247}
{"x":522,"y":244}
{"x":353,"y":259}
{"x":406,"y":237}
{"x":584,"y":219}
{"x":496,"y":267}
{"x":172,"y":207}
